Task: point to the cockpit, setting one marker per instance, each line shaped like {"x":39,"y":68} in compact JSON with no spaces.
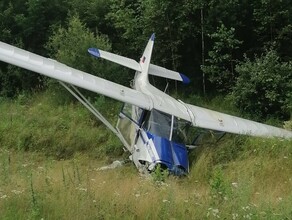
{"x":166,"y":126}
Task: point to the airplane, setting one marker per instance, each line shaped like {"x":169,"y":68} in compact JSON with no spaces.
{"x":153,"y":126}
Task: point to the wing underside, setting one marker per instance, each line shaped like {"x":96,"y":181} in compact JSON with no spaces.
{"x":208,"y":119}
{"x":59,"y":71}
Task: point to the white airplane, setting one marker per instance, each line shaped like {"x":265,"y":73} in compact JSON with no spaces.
{"x":152,"y":125}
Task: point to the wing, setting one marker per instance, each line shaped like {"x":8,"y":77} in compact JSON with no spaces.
{"x":212,"y":120}
{"x":59,"y":71}
{"x":209,"y":119}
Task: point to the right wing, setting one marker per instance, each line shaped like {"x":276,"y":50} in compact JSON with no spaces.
{"x":209,"y":119}
{"x":59,"y":71}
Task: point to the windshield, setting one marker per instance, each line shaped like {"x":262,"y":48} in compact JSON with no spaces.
{"x":158,"y":123}
{"x":167,"y":126}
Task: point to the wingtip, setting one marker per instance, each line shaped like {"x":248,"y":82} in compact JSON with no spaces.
{"x":94,"y":52}
{"x":152,"y":37}
{"x":185,"y":79}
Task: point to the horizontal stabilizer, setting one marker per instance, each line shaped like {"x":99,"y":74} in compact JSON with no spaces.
{"x":132,"y":64}
{"x":169,"y":74}
{"x":124,"y":61}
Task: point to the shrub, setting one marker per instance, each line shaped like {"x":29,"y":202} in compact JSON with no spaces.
{"x":264,"y":86}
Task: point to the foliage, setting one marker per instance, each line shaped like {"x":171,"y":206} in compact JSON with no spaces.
{"x":69,"y":45}
{"x":230,"y":29}
{"x":41,"y":124}
{"x":220,"y":65}
{"x":254,"y":186}
{"x":272,"y":21}
{"x":288,"y":125}
{"x":159,"y":174}
{"x":264,"y":86}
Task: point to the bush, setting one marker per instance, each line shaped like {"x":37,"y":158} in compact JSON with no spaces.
{"x":264,"y":86}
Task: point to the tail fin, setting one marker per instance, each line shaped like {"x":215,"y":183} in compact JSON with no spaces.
{"x":146,"y":57}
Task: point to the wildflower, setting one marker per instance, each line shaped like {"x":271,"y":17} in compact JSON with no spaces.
{"x":16,"y":192}
{"x":214,"y":212}
{"x":81,"y":189}
{"x":3,"y":197}
{"x":234,"y":216}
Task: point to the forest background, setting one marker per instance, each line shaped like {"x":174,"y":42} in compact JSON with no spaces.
{"x":238,"y":56}
{"x":239,"y":49}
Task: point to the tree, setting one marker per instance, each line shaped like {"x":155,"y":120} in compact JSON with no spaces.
{"x":220,"y":65}
{"x":69,"y":45}
{"x":264,"y":86}
{"x":272,"y":25}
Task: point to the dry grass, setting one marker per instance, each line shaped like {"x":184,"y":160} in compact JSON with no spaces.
{"x":34,"y":187}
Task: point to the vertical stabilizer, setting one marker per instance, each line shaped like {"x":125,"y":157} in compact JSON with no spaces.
{"x":146,"y":57}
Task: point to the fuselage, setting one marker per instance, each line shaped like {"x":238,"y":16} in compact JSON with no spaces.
{"x":159,"y":138}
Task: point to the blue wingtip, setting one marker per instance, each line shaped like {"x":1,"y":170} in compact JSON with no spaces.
{"x":94,"y":52}
{"x":185,"y":79}
{"x":152,"y":37}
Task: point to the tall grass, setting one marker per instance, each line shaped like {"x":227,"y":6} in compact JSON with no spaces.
{"x":42,"y":124}
{"x":238,"y":178}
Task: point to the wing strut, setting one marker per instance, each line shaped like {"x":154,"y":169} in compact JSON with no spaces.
{"x":78,"y":95}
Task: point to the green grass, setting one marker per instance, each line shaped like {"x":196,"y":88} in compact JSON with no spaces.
{"x":50,"y":152}
{"x":41,"y":124}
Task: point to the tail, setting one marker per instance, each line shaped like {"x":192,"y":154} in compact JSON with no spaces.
{"x":144,"y":67}
{"x":146,"y":57}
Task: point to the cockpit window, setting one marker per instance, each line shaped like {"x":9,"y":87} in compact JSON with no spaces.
{"x":180,"y":130}
{"x":158,"y":123}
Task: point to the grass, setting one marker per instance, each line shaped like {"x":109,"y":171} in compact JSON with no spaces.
{"x":239,"y":178}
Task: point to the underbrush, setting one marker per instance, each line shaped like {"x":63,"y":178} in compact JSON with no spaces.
{"x":42,"y":124}
{"x":50,"y":152}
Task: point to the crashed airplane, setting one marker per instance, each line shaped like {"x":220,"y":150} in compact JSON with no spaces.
{"x":153,"y":126}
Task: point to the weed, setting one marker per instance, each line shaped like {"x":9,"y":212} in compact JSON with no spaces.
{"x":219,"y":186}
{"x":159,"y":174}
{"x":35,"y":209}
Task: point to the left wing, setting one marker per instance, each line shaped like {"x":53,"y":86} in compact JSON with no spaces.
{"x":59,"y":71}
